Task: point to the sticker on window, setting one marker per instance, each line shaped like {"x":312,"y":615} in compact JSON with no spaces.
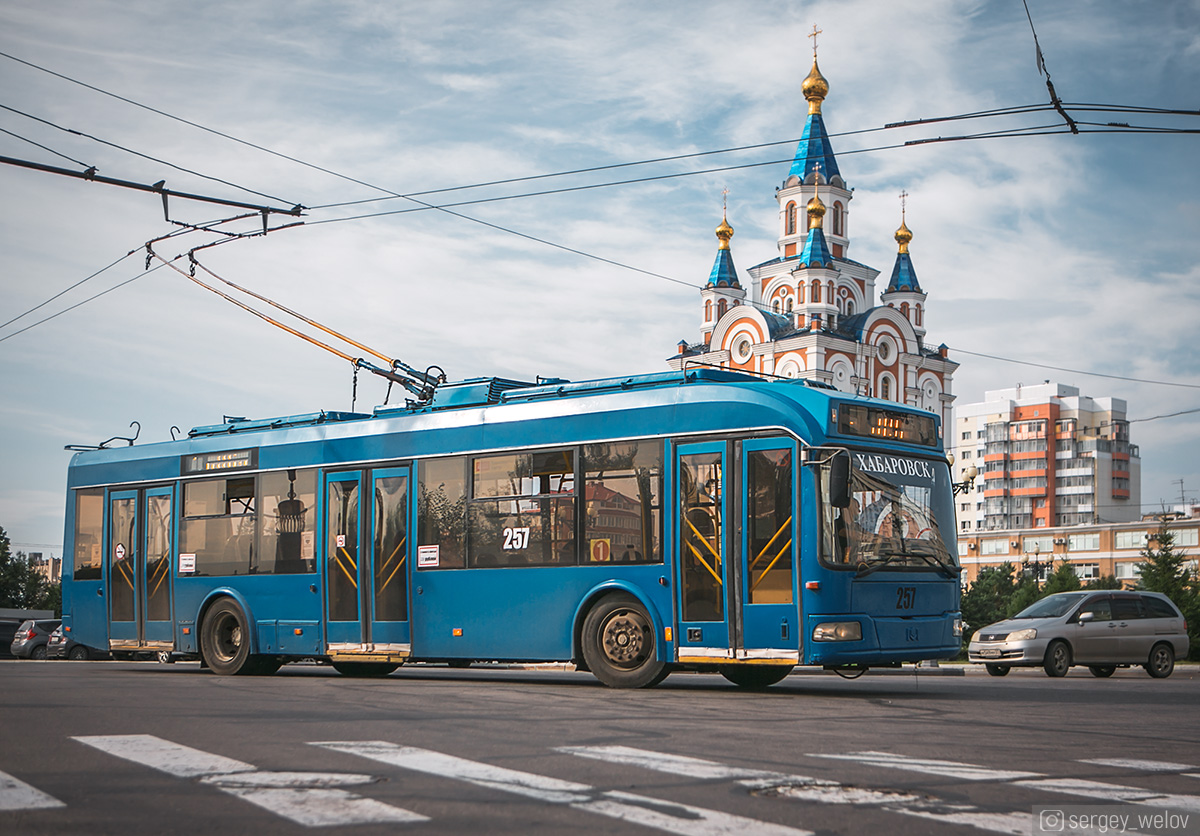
{"x":187,"y":564}
{"x":428,"y":555}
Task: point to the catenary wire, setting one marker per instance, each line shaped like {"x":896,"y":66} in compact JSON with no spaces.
{"x":1075,"y":371}
{"x":74,"y":132}
{"x":44,"y":147}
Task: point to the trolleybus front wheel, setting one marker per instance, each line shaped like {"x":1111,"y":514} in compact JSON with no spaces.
{"x":225,"y":642}
{"x":618,"y":644}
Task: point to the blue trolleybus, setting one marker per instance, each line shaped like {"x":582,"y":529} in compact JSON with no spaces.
{"x":705,"y":520}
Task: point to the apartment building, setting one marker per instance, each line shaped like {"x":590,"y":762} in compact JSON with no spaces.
{"x":1046,"y":456}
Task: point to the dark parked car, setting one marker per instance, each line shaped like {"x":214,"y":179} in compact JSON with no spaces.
{"x":62,"y":646}
{"x":31,"y":638}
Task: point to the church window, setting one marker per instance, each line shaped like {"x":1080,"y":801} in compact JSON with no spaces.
{"x":708,"y":310}
{"x":904,"y":309}
{"x":885,"y":388}
{"x":829,"y":292}
{"x":918,"y":316}
{"x":721,"y":308}
{"x":849,"y":307}
{"x":775,"y":306}
{"x":838,"y":219}
{"x":791,"y":219}
{"x":816,"y":291}
{"x":789,"y":304}
{"x":800,"y":292}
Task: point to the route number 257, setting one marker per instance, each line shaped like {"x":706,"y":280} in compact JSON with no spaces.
{"x":516,"y":538}
{"x":906,"y":597}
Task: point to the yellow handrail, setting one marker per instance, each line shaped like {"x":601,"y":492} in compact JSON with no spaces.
{"x":771,"y":565}
{"x":704,"y":540}
{"x":704,"y":563}
{"x":769,"y":542}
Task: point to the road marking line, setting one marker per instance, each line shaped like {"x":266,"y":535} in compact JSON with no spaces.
{"x":804,"y":788}
{"x":1114,"y":792}
{"x":780,"y":784}
{"x":635,"y":809}
{"x":17,"y":795}
{"x":165,"y":756}
{"x":952,"y":769}
{"x":1015,"y":824}
{"x":1133,"y":763}
{"x":674,"y":764}
{"x":311,"y":799}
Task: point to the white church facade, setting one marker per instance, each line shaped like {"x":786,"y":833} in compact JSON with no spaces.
{"x":812,"y":312}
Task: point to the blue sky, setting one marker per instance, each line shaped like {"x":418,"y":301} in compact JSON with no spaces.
{"x":1072,"y":251}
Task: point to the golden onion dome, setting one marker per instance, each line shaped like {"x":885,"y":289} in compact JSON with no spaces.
{"x":815,"y":88}
{"x":816,"y":211}
{"x":724,"y":233}
{"x":903,"y":236}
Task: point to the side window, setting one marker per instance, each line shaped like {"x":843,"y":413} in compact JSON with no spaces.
{"x":89,"y":534}
{"x":1100,"y":608}
{"x":623,"y":502}
{"x":219,"y":527}
{"x":287,"y":523}
{"x":442,"y":514}
{"x":1157,"y":608}
{"x":1126,"y":608}
{"x":522,"y":510}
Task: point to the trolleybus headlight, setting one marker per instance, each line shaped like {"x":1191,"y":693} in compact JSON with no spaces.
{"x":838,"y":631}
{"x":958,"y":626}
{"x":1021,"y":635}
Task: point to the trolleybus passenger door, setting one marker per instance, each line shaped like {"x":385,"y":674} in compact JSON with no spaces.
{"x":156,"y":557}
{"x":140,"y":553}
{"x":344,"y":594}
{"x":768,"y":616}
{"x":366,"y":561}
{"x":389,"y":509}
{"x":124,"y":569}
{"x":702,"y":549}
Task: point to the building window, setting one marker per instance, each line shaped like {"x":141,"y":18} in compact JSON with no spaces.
{"x":918,"y":322}
{"x":1186,"y":536}
{"x":885,"y":388}
{"x":816,"y":291}
{"x":1130,"y":539}
{"x":1127,"y":570}
{"x":838,"y":218}
{"x":1084,"y":542}
{"x":708,"y":310}
{"x":1086,"y":571}
{"x":1044,"y":545}
{"x":722,"y":307}
{"x":790,"y":228}
{"x":789,"y":304}
{"x":966,"y":454}
{"x":993,"y":547}
{"x":775,"y":306}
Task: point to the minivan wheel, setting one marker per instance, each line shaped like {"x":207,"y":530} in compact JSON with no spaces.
{"x":1057,"y":660}
{"x":78,"y":653}
{"x":997,"y":670}
{"x":1161,"y":662}
{"x":1102,"y":671}
{"x":38,"y":652}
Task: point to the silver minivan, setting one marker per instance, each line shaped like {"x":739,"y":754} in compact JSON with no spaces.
{"x":1103,"y":630}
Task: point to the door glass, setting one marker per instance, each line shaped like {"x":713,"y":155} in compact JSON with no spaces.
{"x":391,"y":546}
{"x":701,"y":537}
{"x":158,"y":558}
{"x":342,"y":549}
{"x":769,"y":517}
{"x":122,"y":550}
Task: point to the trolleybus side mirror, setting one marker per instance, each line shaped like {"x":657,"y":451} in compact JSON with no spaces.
{"x":839,"y":481}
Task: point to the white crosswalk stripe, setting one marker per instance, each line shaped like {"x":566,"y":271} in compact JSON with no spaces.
{"x":627,"y":807}
{"x":1133,"y":763}
{"x":806,"y":788}
{"x":17,"y":795}
{"x":308,"y":798}
{"x":1114,"y":793}
{"x":951,"y":769}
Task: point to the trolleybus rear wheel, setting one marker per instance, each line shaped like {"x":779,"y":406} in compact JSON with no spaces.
{"x":618,"y":643}
{"x":755,"y":677}
{"x":364,"y":669}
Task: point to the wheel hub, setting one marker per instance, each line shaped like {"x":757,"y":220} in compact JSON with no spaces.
{"x":624,"y":639}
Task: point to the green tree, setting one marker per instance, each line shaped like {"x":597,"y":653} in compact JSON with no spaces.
{"x":1106,"y":582}
{"x":1063,"y":579}
{"x":22,"y":586}
{"x":986,"y":600}
{"x":1167,"y":571}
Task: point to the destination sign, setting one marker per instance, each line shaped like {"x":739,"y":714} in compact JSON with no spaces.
{"x":887,"y":424}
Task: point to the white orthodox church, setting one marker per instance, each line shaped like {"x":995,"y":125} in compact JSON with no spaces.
{"x":812,"y":312}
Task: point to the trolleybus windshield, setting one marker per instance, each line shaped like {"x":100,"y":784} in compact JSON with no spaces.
{"x":899,"y":516}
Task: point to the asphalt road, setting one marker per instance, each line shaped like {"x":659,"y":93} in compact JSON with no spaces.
{"x":142,"y":748}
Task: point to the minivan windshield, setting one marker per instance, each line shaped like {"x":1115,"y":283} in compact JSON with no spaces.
{"x":1052,"y":606}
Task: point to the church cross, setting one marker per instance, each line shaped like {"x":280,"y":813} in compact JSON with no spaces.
{"x":813,"y":35}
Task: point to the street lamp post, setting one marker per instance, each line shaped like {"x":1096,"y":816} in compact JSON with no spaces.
{"x":1037,"y":565}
